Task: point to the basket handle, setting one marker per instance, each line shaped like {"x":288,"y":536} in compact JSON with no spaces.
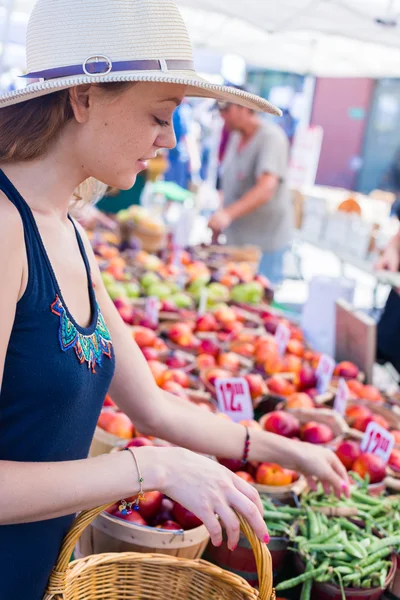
{"x":56,"y":585}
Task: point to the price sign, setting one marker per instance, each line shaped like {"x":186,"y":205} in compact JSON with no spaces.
{"x":377,"y":440}
{"x":342,"y":396}
{"x":234,"y":398}
{"x":324,"y":373}
{"x":152,"y":309}
{"x":282,"y":337}
{"x":203,"y":301}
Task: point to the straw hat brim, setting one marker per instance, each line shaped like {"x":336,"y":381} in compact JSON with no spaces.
{"x":196,"y":87}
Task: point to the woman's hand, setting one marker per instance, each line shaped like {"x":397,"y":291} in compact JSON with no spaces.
{"x":209,"y":490}
{"x":321,"y":464}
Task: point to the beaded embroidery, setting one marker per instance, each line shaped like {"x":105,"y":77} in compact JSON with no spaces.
{"x":88,"y":348}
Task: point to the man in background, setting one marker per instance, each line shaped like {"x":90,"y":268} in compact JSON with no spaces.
{"x":256,"y":200}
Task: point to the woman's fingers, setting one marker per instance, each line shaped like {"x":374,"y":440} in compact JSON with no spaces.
{"x":312,"y":484}
{"x":249,"y":491}
{"x":250,"y":511}
{"x":231,"y":524}
{"x":213,"y":526}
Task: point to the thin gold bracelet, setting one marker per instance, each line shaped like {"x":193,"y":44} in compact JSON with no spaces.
{"x":126,"y":507}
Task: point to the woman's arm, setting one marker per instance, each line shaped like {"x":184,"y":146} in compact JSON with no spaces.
{"x":158,"y":413}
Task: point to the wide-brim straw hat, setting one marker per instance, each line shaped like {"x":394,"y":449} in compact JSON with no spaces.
{"x":74,"y":42}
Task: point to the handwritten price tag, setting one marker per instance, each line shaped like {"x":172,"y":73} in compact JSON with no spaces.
{"x":282,"y":337}
{"x":324,"y":373}
{"x":234,"y":398}
{"x":152,"y":309}
{"x":342,"y":396}
{"x":377,"y":440}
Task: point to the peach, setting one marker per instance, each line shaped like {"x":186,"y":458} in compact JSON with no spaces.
{"x":213,"y":374}
{"x":356,"y":387}
{"x":205,"y":361}
{"x":274,"y":364}
{"x":307,"y":378}
{"x":206,"y":323}
{"x":292,"y":364}
{"x":396,"y":434}
{"x":143,"y":336}
{"x":346,"y":369}
{"x":280,"y":385}
{"x":282,"y":423}
{"x":179,"y":331}
{"x":158,"y":370}
{"x":299,"y":400}
{"x":394,"y":460}
{"x":243,"y":348}
{"x":361,"y":423}
{"x":295,"y":347}
{"x":357,"y":411}
{"x":372,"y":394}
{"x":177,"y":376}
{"x":372,"y":465}
{"x":316,"y":433}
{"x":347,"y":452}
{"x":246,"y":476}
{"x":257,"y":385}
{"x":225,"y":315}
{"x":117,"y":424}
{"x":229,"y":361}
{"x":272,"y":474}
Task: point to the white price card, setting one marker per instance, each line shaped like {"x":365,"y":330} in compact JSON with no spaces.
{"x":203,"y":302}
{"x":152,"y":309}
{"x":282,"y":337}
{"x":234,"y":398}
{"x":342,"y":395}
{"x":377,"y":440}
{"x":324,"y":373}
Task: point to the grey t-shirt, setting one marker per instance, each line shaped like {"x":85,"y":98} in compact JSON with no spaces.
{"x":270,"y":226}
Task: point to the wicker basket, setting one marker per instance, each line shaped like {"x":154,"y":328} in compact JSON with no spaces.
{"x":131,"y":576}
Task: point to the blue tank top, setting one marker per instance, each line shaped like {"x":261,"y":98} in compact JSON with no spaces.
{"x":56,"y":376}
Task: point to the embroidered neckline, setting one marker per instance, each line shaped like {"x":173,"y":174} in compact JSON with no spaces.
{"x":88,"y":348}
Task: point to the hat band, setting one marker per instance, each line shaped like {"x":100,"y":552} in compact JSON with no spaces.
{"x":105,"y":66}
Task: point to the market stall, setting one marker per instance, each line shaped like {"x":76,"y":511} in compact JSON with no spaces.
{"x":204,"y":321}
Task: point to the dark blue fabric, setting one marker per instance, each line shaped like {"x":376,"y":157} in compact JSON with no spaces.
{"x":49,"y":406}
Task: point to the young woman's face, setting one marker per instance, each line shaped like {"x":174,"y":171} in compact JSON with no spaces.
{"x":115,"y":134}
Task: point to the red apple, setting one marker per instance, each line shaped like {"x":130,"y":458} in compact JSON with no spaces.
{"x":150,"y":505}
{"x":209,"y":347}
{"x":180,"y":333}
{"x":206,"y":323}
{"x":145,"y":322}
{"x":136,"y":518}
{"x":143,"y":336}
{"x":169,"y":526}
{"x":307,"y":378}
{"x":348,"y":451}
{"x":246,"y":476}
{"x":346,"y":369}
{"x":282,"y":423}
{"x":257,"y":385}
{"x":316,"y":433}
{"x":185,"y":518}
{"x":271,"y":324}
{"x":372,"y":465}
{"x":137,"y":442}
{"x":112,"y":509}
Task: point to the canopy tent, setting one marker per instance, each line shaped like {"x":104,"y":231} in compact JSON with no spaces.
{"x":321,"y":37}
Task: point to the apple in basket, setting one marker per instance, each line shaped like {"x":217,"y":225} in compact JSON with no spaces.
{"x":185,"y":518}
{"x":274,"y":475}
{"x":150,"y":505}
{"x":246,"y":476}
{"x":316,"y":433}
{"x":169,"y":526}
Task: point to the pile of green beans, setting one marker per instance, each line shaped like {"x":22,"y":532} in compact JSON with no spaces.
{"x":336,"y":549}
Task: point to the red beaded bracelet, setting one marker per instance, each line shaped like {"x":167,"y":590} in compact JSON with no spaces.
{"x":246,"y":448}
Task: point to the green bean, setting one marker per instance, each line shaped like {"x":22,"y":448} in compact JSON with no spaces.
{"x":291,"y":583}
{"x":349,"y":526}
{"x":367,"y":583}
{"x":372,"y":558}
{"x":323,"y":547}
{"x":313,"y":525}
{"x":382,"y":577}
{"x":359,"y":496}
{"x":344,"y":570}
{"x":353,"y":549}
{"x":385,"y":542}
{"x":307,"y":585}
{"x":274,"y":515}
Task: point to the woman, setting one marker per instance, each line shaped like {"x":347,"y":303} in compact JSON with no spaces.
{"x":62,"y":343}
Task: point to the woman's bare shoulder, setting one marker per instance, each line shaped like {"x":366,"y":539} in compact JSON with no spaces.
{"x":11,"y":230}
